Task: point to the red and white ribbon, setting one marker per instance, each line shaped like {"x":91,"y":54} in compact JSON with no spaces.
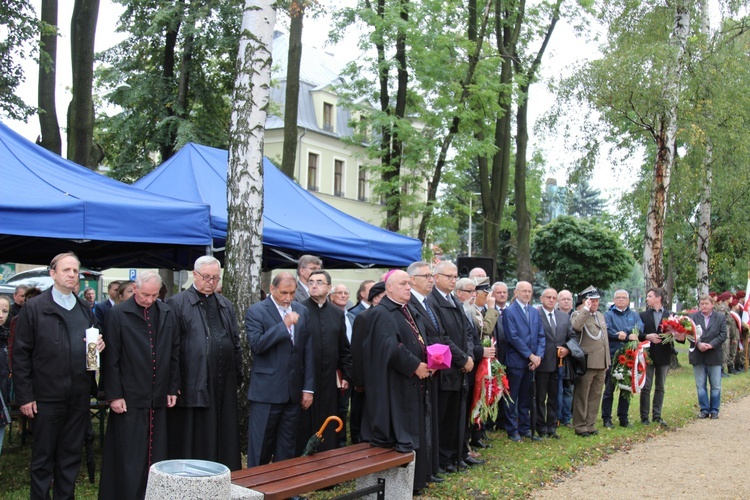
{"x":638,"y":377}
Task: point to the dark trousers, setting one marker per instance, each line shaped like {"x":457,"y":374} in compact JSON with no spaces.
{"x":659,"y":374}
{"x":518,"y":413}
{"x":272,"y":432}
{"x":355,"y":416}
{"x":59,"y":429}
{"x":343,"y":412}
{"x":547,"y":390}
{"x":623,"y":402}
{"x":452,"y":423}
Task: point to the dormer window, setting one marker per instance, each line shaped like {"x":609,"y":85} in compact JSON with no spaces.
{"x":328,"y":116}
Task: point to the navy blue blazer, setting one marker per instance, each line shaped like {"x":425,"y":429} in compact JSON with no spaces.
{"x":281,"y":369}
{"x":524,"y":336}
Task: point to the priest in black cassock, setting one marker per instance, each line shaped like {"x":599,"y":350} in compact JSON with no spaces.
{"x":394,"y":370}
{"x":205,"y":423}
{"x":140,"y":378}
{"x":331,"y":352}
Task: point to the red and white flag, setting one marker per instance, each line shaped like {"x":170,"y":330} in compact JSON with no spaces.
{"x":746,"y":306}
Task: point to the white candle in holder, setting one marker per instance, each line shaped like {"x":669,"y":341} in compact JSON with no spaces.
{"x":92,"y":353}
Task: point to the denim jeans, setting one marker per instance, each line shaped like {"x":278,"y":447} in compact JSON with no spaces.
{"x":713,"y":373}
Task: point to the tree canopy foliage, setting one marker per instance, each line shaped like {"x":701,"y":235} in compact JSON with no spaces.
{"x":575,"y":253}
{"x":19,"y":27}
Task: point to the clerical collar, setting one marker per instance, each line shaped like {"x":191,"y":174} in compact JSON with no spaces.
{"x":395,"y":301}
{"x":63,"y":300}
{"x":201,"y":294}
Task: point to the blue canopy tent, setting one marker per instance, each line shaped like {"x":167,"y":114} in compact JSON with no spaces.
{"x":51,"y":205}
{"x":295,"y":222}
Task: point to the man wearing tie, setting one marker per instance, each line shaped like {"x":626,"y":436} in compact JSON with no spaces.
{"x":526,"y":342}
{"x":283,"y":372}
{"x":557,"y":331}
{"x":453,"y":384}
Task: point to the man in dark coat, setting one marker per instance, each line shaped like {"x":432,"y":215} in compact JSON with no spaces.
{"x":50,"y":379}
{"x":205,"y":424}
{"x":140,"y":377}
{"x":706,"y":356}
{"x":330,"y":344}
{"x":359,"y":334}
{"x":395,"y":371}
{"x":660,"y":354}
{"x":453,"y":384}
{"x":557,"y":331}
{"x":282,"y":379}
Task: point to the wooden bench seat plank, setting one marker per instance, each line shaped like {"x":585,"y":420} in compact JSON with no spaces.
{"x":301,"y":465}
{"x":305,"y":474}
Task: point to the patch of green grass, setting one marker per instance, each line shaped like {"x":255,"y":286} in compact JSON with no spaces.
{"x":513,"y":470}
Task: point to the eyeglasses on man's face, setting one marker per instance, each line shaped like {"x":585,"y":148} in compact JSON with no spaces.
{"x":208,"y":277}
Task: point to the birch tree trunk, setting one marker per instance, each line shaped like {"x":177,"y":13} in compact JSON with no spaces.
{"x":244,"y":249}
{"x":704,"y":222}
{"x":653,"y":251}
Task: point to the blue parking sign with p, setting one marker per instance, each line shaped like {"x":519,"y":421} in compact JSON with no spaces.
{"x":132,"y":275}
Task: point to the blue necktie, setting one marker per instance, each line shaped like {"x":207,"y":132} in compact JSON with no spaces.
{"x":430,"y":314}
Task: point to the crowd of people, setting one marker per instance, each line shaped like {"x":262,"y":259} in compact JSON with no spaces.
{"x":170,"y":367}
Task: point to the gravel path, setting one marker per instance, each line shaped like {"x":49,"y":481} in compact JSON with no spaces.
{"x":705,"y":459}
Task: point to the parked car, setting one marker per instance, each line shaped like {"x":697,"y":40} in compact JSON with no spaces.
{"x":39,"y":277}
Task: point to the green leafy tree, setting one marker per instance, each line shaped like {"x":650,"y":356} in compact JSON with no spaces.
{"x":19,"y":26}
{"x":575,"y":253}
{"x":172,"y":77}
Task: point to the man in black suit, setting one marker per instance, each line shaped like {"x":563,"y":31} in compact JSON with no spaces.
{"x":706,"y":356}
{"x":305,"y":265}
{"x":362,"y":294}
{"x":453,"y":384}
{"x":102,"y":308}
{"x":557,"y":331}
{"x":283,"y":372}
{"x":659,"y":353}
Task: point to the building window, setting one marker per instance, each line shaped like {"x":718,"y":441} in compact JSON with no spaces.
{"x":338,"y":178}
{"x":327,"y":116}
{"x":312,"y":172}
{"x":362,"y":184}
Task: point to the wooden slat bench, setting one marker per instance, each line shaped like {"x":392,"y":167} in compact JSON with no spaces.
{"x":305,"y":474}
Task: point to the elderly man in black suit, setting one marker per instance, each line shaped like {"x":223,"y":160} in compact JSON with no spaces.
{"x":282,"y":379}
{"x":453,"y":389}
{"x":660,"y":355}
{"x":557,"y":331}
{"x":706,"y":356}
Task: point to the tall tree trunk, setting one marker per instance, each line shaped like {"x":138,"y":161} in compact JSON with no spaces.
{"x":291,"y":102}
{"x":523,"y":219}
{"x":704,"y":220}
{"x":81,"y":109}
{"x":167,"y":146}
{"x":665,"y":137}
{"x":48,"y":124}
{"x":183,"y":86}
{"x":432,"y":186}
{"x":244,"y":249}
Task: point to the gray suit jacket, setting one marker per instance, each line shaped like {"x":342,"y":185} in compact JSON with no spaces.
{"x":715,"y":334}
{"x":555,"y":337}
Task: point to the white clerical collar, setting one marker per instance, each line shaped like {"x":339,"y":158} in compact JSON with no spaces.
{"x":66,"y":301}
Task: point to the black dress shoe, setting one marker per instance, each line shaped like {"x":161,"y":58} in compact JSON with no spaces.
{"x":703,"y":414}
{"x":645,"y":421}
{"x":594,"y":432}
{"x":450,"y":469}
{"x":515,"y":438}
{"x":583,"y":434}
{"x":661,"y":422}
{"x":462,"y":466}
{"x":478,"y":444}
{"x":714,"y":416}
{"x":435,"y":479}
{"x":608,"y":424}
{"x":417,"y":493}
{"x":553,"y":435}
{"x":533,"y":437}
{"x":473,"y":461}
{"x":625,"y":424}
